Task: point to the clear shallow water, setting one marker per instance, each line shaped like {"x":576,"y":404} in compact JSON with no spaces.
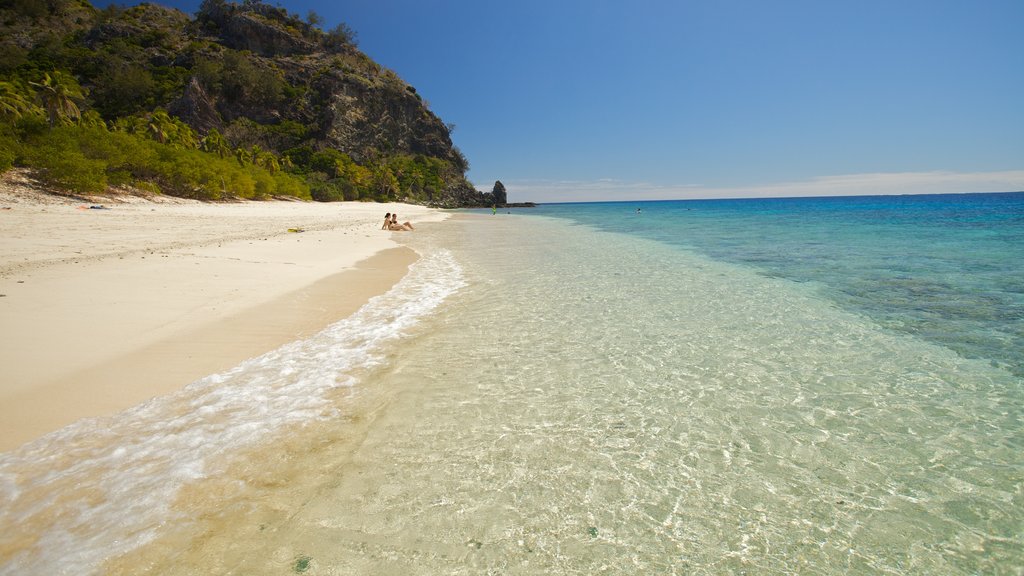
{"x":947,"y":268}
{"x":595,"y":401}
{"x":101,"y":487}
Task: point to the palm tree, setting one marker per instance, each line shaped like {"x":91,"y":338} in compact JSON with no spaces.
{"x":169,"y":130}
{"x":215,"y":143}
{"x":57,"y":94}
{"x":265,"y":160}
{"x":184,"y":136}
{"x":92,"y":118}
{"x":385,"y":183}
{"x":13,"y":103}
{"x":243,"y":155}
{"x":269,"y":161}
{"x":124,"y":125}
{"x":160,"y":126}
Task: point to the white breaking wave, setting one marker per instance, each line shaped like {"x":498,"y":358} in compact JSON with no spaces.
{"x":101,"y":487}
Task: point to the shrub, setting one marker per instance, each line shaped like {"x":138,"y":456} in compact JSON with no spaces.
{"x":60,"y":161}
{"x":70,"y":169}
{"x":7,"y":156}
{"x":330,"y":191}
{"x":9,"y":147}
{"x":264,"y":185}
{"x":288,"y":185}
{"x":240,"y":184}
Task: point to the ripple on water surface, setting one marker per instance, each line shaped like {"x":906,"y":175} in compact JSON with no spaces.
{"x":593,"y":402}
{"x":597,"y":402}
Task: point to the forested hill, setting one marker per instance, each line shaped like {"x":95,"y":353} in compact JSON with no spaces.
{"x":239,"y":100}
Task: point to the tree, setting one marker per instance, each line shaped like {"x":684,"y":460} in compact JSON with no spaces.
{"x":243,"y":155}
{"x":14,"y":103}
{"x":385,"y":185}
{"x":92,"y":119}
{"x":215,"y":143}
{"x":30,"y":8}
{"x":341,"y":35}
{"x":57,"y":95}
{"x":160,"y":126}
{"x":265,"y":160}
{"x":212,"y":10}
{"x":167,"y":129}
{"x":243,"y":80}
{"x":460,"y":161}
{"x":123,"y":88}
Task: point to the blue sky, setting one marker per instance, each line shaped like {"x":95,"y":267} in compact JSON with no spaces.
{"x":652,"y":99}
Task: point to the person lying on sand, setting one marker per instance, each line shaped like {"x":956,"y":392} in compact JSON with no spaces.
{"x":396,"y":226}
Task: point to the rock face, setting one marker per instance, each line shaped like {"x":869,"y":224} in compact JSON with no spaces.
{"x":196,"y":108}
{"x":249,"y":31}
{"x":146,"y":21}
{"x":362,"y":117}
{"x":463,"y":196}
{"x":261,"y":77}
{"x":349,"y":102}
{"x":466,"y":196}
{"x":498,"y":192}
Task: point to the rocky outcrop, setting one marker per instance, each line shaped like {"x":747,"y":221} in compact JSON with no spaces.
{"x":196,"y":108}
{"x":147,"y":21}
{"x":250,"y":31}
{"x":465,"y":196}
{"x":347,"y":101}
{"x":498,"y":193}
{"x":361,"y":117}
{"x":260,"y":28}
{"x":462,"y":195}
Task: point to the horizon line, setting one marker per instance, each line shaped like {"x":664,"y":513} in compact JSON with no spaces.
{"x":701,"y":199}
{"x":846,"y":185}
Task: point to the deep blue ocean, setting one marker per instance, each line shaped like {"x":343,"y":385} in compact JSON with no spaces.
{"x":947,"y":268}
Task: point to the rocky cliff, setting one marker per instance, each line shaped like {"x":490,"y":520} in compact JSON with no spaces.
{"x":347,"y":101}
{"x":257,"y":75}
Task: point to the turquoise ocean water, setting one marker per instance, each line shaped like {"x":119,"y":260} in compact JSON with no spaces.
{"x":946,"y":268}
{"x":812,"y":386}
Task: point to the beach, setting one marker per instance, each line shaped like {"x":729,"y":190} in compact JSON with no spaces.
{"x":109,"y":301}
{"x":598,"y":401}
{"x":570,"y":390}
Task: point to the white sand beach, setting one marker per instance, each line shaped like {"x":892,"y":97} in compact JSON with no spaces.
{"x":104,"y":308}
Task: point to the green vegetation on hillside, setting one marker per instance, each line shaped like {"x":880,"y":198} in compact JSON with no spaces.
{"x":46,"y":131}
{"x":244,"y":100}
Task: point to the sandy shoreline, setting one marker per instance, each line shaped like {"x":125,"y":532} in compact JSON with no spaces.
{"x":104,"y":309}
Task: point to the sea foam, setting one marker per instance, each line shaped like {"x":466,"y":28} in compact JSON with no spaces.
{"x":101,"y":487}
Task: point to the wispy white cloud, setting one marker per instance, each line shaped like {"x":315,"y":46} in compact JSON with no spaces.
{"x":942,"y":182}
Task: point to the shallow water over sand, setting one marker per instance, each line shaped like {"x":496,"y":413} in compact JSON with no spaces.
{"x":594,"y":402}
{"x":544,"y":398}
{"x":101,"y":487}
